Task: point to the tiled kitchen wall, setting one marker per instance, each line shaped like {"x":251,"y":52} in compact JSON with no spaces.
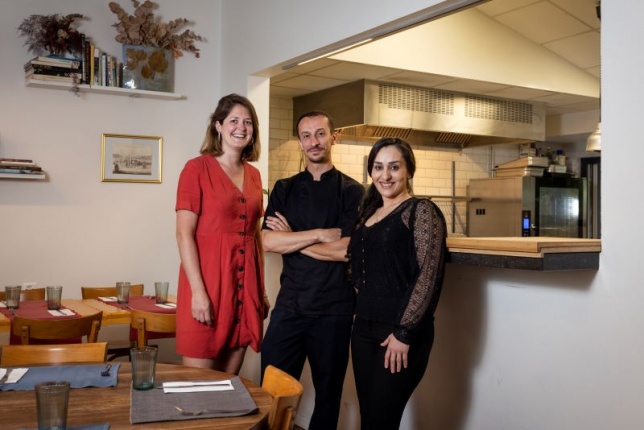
{"x":439,"y":172}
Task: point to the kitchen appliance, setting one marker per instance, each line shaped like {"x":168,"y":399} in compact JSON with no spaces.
{"x":367,"y":110}
{"x":551,"y":205}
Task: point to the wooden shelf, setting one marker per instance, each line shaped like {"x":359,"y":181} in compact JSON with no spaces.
{"x":104,"y":90}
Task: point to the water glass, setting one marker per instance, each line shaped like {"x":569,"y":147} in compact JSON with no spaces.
{"x":54,"y":294}
{"x":12,"y":296}
{"x":123,"y":292}
{"x":144,"y":361}
{"x":51,"y":405}
{"x":161,"y":291}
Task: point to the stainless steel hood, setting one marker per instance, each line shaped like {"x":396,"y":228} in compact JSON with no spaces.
{"x":367,"y":110}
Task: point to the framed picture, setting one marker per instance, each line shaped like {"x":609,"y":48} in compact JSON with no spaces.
{"x":127,"y":158}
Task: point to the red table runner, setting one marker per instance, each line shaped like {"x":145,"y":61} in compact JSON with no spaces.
{"x":35,"y":309}
{"x":147,"y":304}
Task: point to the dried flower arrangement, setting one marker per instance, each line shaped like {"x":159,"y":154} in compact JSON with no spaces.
{"x":51,"y":33}
{"x":142,"y":28}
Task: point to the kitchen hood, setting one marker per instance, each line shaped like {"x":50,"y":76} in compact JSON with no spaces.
{"x":367,"y":110}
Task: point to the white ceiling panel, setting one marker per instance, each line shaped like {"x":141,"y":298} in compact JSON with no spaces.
{"x":567,"y":28}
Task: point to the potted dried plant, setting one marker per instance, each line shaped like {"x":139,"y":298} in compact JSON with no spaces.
{"x":54,"y":34}
{"x":151,"y":45}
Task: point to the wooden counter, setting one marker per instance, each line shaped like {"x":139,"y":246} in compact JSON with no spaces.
{"x":529,"y":253}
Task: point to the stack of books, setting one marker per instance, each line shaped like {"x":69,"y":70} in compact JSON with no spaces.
{"x":20,"y":168}
{"x":52,"y":68}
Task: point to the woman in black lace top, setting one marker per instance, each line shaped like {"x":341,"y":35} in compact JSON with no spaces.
{"x":397,"y":260}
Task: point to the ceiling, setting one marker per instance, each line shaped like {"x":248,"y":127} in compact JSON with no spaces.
{"x":568,"y":28}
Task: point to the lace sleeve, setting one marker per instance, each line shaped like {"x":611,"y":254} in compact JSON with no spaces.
{"x":429,"y":233}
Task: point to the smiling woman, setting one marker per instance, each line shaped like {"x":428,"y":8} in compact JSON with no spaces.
{"x":219,"y":204}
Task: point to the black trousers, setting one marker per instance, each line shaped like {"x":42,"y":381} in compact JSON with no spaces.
{"x":381,"y":394}
{"x":290,"y":339}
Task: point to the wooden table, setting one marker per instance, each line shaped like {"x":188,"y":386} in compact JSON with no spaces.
{"x":112,"y":405}
{"x":112,"y":315}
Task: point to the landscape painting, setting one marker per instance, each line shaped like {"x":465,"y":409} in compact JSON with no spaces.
{"x":129,"y":158}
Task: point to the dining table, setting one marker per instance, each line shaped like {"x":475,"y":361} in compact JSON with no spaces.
{"x":110,"y":407}
{"x":113,"y":313}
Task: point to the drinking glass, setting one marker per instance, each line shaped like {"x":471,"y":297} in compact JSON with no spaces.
{"x":123,"y":292}
{"x":12,"y":296}
{"x":161,"y":291}
{"x":51,"y":404}
{"x":54,"y":294}
{"x":144,"y":362}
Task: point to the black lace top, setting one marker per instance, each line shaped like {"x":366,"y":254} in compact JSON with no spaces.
{"x":397,"y":266}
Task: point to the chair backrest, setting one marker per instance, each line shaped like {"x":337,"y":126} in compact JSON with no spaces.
{"x":96,"y":292}
{"x":143,"y":322}
{"x":32,"y":294}
{"x":25,"y":355}
{"x":287,"y":393}
{"x":51,"y":330}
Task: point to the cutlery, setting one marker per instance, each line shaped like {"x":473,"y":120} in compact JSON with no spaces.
{"x":4,"y":379}
{"x":182,"y":384}
{"x":209,"y":411}
{"x":106,"y":371}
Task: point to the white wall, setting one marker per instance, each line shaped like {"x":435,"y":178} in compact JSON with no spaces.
{"x":72,"y":229}
{"x":514,"y":349}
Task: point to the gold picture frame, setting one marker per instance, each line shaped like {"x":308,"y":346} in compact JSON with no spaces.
{"x":130,"y":158}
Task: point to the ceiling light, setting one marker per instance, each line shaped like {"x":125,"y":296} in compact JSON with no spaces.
{"x":594,"y":141}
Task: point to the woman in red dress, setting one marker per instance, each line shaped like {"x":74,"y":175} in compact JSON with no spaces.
{"x":221,"y":300}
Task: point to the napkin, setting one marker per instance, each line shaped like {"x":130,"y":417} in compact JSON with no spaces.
{"x":2,"y":305}
{"x":108,"y":299}
{"x":61,"y":312}
{"x":197,"y":386}
{"x":167,"y":305}
{"x":15,"y":375}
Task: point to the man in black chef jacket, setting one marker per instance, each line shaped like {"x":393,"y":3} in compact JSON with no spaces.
{"x":309,"y":220}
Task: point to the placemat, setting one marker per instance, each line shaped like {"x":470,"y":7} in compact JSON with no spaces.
{"x":154,"y":405}
{"x":79,"y":376}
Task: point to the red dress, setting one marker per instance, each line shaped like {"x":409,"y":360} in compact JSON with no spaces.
{"x":229,"y":256}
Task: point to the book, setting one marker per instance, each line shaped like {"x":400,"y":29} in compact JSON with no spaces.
{"x":56,"y":71}
{"x":97,"y":67}
{"x":37,"y":175}
{"x":39,"y":77}
{"x":83,"y":64}
{"x":104,"y":69}
{"x":18,"y":164}
{"x":10,"y":167}
{"x":16,"y":160}
{"x":68,"y":65}
{"x":55,"y":59}
{"x":87,"y":52}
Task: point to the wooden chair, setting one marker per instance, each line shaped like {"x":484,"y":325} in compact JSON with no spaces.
{"x":144,"y":322}
{"x":30,"y":294}
{"x":115,"y":347}
{"x":287,"y":393}
{"x":26,"y":355}
{"x":48,"y":331}
{"x":96,"y":292}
